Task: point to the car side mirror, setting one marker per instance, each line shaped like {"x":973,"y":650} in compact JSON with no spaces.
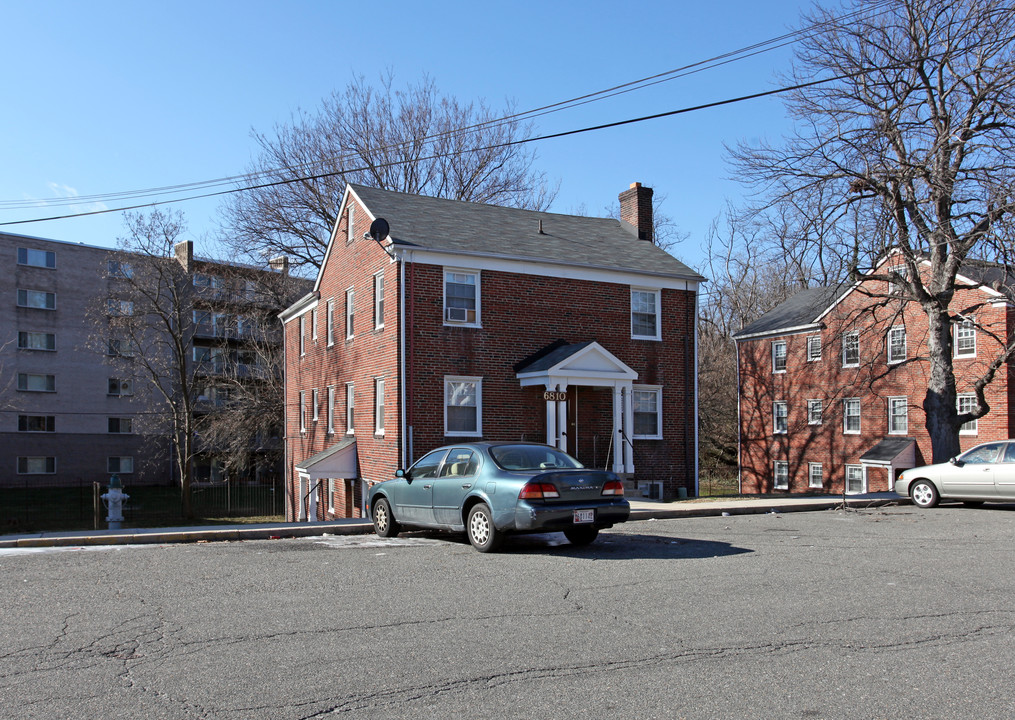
{"x":400,"y":473}
{"x":954,"y":461}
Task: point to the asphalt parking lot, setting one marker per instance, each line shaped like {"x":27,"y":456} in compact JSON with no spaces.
{"x":878,"y":613}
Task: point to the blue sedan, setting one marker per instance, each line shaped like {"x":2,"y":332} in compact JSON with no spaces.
{"x":491,"y":489}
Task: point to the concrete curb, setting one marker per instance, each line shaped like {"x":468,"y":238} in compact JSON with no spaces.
{"x":640,"y":511}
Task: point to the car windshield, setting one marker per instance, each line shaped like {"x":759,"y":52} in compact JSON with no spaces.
{"x":532,"y":457}
{"x":982,"y":454}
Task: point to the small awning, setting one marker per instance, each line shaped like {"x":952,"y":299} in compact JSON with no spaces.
{"x":892,"y":452}
{"x":338,"y":461}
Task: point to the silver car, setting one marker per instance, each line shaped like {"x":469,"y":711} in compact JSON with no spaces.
{"x":986,"y":473}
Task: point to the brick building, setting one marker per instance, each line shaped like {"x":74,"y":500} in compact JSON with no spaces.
{"x":832,"y":383}
{"x":471,"y":321}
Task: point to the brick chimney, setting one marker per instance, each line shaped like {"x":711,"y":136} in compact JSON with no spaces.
{"x":636,"y":209}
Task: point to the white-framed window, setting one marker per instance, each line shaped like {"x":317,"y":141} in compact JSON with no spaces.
{"x":331,"y":495}
{"x":36,"y":382}
{"x":815,"y":475}
{"x":647,"y":403}
{"x":313,"y":325}
{"x":779,"y":356}
{"x":645,"y":314}
{"x":463,"y":406}
{"x":965,"y":338}
{"x":36,"y":465}
{"x":119,"y":308}
{"x":851,"y":416}
{"x":896,"y":287}
{"x":781,"y":475}
{"x":898,"y":415}
{"x":37,"y":423}
{"x":120,"y":464}
{"x":350,"y":409}
{"x":331,"y":409}
{"x":36,"y":340}
{"x":379,"y":406}
{"x":379,"y":300}
{"x":854,"y":479}
{"x":896,"y":345}
{"x":350,"y":224}
{"x":120,"y":387}
{"x":966,"y":403}
{"x":813,"y":348}
{"x":314,"y":404}
{"x":119,"y":269}
{"x":37,"y":258}
{"x":814,"y":412}
{"x":350,"y":313}
{"x":37,"y":299}
{"x":119,"y":425}
{"x":851,"y":349}
{"x":461,"y":297}
{"x":303,"y":335}
{"x":780,"y":417}
{"x":303,"y":411}
{"x":330,"y":317}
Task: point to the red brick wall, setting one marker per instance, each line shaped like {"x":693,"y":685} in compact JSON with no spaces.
{"x":521,"y":314}
{"x":874,"y":381}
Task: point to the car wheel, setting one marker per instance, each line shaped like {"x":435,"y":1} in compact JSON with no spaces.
{"x":385,"y":524}
{"x":482,"y":534}
{"x":582,"y":536}
{"x":924,"y":494}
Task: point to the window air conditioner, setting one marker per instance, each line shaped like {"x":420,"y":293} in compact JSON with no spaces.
{"x":458,"y":314}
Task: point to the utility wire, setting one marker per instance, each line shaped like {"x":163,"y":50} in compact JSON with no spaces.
{"x":683,"y":71}
{"x":494,"y":146}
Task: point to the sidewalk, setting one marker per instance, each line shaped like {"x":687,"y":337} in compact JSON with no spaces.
{"x":640,"y":510}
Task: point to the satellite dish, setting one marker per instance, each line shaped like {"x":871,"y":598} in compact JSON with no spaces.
{"x":379,"y":229}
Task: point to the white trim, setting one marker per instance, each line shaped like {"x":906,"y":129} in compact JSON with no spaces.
{"x":379,"y":300}
{"x":657,"y":390}
{"x":905,"y":401}
{"x":315,"y":402}
{"x":350,"y":408}
{"x":821,"y":412}
{"x":955,"y":339}
{"x":445,"y":314}
{"x":549,"y":268}
{"x":775,"y":475}
{"x":846,"y":416}
{"x":657,"y":295}
{"x":775,"y":417}
{"x":863,"y":479}
{"x":379,"y":406}
{"x":842,"y":348}
{"x":330,"y":320}
{"x":820,"y":348}
{"x":331,"y":410}
{"x":810,"y":475}
{"x":795,"y":330}
{"x":350,"y":313}
{"x":303,"y":411}
{"x":478,"y":381}
{"x":785,"y":356}
{"x":975,"y":429}
{"x":888,"y":345}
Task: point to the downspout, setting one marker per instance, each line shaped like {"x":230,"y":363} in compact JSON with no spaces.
{"x":403,"y":439}
{"x":287,"y":467}
{"x":697,"y":408}
{"x":740,"y":465}
{"x":412,"y":355}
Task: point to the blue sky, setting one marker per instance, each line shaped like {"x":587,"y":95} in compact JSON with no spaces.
{"x":105,"y":97}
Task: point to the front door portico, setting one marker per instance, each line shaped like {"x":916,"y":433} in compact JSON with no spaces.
{"x":565,"y":367}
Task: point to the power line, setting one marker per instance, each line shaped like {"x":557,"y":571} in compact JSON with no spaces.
{"x":523,"y":141}
{"x":641,"y":83}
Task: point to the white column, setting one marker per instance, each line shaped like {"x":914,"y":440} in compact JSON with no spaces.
{"x":551,"y":420}
{"x":628,"y":428}
{"x":618,"y":439}
{"x":562,"y":421}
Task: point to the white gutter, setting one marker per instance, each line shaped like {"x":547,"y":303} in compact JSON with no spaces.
{"x":401,"y":361}
{"x":740,"y":478}
{"x":796,"y":330}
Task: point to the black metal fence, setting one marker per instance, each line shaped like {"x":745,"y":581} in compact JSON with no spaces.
{"x":28,"y":508}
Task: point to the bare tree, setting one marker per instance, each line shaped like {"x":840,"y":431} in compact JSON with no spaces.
{"x":411,"y":140}
{"x":146,"y":329}
{"x":909,"y":149}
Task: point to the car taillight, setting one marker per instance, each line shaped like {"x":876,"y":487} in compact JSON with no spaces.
{"x":613,"y":487}
{"x":538,"y":491}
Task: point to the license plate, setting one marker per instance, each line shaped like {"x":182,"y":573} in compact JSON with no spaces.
{"x":584,"y":516}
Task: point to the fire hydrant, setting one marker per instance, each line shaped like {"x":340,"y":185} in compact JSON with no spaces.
{"x":114,"y":502}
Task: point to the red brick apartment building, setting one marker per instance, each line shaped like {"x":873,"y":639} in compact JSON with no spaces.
{"x":469,"y":321}
{"x":832,"y":384}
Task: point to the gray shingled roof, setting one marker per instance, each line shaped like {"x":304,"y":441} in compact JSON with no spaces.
{"x":556,"y":355}
{"x":887,"y":449}
{"x":804,"y":308}
{"x":474,"y":228}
